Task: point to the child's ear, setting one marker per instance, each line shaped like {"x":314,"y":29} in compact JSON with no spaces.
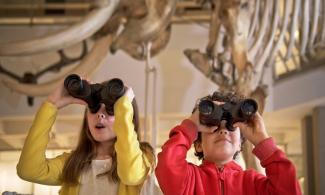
{"x":198,"y":146}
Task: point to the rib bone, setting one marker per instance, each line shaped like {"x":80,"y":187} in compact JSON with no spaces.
{"x":147,"y":28}
{"x":62,"y":39}
{"x":86,"y":67}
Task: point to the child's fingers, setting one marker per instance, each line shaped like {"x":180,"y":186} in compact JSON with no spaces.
{"x":86,"y":79}
{"x":89,"y":81}
{"x":78,"y":101}
{"x":213,"y":128}
{"x":239,"y":124}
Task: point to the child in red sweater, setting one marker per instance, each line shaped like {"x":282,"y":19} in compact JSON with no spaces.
{"x":219,"y":174}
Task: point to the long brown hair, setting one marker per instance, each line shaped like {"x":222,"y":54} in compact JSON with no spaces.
{"x":80,"y":159}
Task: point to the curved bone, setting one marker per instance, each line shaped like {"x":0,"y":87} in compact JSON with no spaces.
{"x":261,"y":61}
{"x":134,"y":8}
{"x":235,"y":17}
{"x":322,"y":33}
{"x":254,"y":23}
{"x":67,"y":37}
{"x":293,"y":29}
{"x":32,"y":78}
{"x":221,"y":36}
{"x":125,"y":9}
{"x":257,"y":44}
{"x":214,"y":29}
{"x":313,"y":30}
{"x":304,"y":30}
{"x":287,"y":9}
{"x":145,"y":29}
{"x":137,"y":51}
{"x":111,"y":26}
{"x":200,"y":60}
{"x":203,"y":63}
{"x":241,"y":24}
{"x":86,"y":67}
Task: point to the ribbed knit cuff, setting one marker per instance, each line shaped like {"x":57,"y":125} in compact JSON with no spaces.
{"x":265,"y":149}
{"x":191,"y":129}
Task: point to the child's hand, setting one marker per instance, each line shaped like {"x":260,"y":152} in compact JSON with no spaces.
{"x":254,"y":130}
{"x":60,"y":97}
{"x":129,"y":93}
{"x":202,"y":128}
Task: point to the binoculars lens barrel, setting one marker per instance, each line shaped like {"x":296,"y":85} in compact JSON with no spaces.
{"x":112,"y":91}
{"x":206,"y":107}
{"x":115,"y":88}
{"x":76,"y":87}
{"x":73,"y":83}
{"x":210,"y":114}
{"x":248,"y":107}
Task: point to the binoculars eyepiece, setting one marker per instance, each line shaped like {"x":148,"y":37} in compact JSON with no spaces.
{"x":95,"y":94}
{"x":211,"y":114}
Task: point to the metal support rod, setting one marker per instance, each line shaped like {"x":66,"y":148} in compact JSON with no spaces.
{"x":150,"y":69}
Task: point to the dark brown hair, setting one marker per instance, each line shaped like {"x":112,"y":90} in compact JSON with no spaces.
{"x":80,"y":159}
{"x":220,"y":97}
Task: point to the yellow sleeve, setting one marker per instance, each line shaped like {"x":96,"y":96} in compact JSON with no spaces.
{"x":33,"y":165}
{"x":133,"y":165}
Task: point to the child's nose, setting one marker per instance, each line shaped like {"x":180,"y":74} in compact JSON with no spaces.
{"x":223,"y":131}
{"x":101,"y":115}
{"x":222,"y":128}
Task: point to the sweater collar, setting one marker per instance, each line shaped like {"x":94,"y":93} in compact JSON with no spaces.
{"x":232,"y":165}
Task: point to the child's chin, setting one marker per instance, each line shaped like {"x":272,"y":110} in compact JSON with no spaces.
{"x":224,"y":155}
{"x":104,"y":139}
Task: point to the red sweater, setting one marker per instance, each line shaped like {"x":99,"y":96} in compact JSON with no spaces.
{"x":178,"y":177}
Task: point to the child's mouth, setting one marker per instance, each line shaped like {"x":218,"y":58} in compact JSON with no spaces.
{"x":100,"y":126}
{"x":221,"y":140}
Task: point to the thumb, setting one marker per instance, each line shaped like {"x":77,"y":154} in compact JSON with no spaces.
{"x":240,"y":125}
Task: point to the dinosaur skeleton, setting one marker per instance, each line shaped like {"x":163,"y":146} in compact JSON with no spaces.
{"x":245,"y":36}
{"x":31,"y":78}
{"x":65,"y":38}
{"x":87,"y":66}
{"x":151,"y":28}
{"x":154,"y":26}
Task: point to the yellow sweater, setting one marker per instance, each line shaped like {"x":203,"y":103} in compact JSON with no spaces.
{"x":133,"y":165}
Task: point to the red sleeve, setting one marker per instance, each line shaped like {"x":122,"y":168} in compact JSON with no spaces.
{"x":173,"y":171}
{"x":280,"y":172}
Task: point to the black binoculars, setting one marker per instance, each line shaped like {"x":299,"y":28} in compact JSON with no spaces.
{"x":211,"y":114}
{"x":95,"y":94}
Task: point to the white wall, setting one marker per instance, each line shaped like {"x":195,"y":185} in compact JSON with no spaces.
{"x":300,"y":89}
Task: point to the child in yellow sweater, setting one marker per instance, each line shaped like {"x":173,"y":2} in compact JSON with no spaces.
{"x":109,"y":158}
